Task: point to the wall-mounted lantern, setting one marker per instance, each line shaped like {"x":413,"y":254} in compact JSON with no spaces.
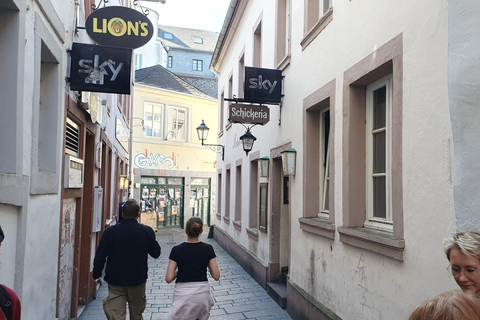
{"x":202,"y":132}
{"x":264,"y":165}
{"x":289,"y":158}
{"x":121,"y":184}
{"x":247,"y":140}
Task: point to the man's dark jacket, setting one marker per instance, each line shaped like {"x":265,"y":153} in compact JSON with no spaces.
{"x":127,"y":246}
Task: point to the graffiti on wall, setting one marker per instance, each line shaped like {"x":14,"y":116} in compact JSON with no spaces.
{"x":155,"y":160}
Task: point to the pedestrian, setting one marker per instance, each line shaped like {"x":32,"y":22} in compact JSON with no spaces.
{"x":463,"y":252}
{"x":127,"y":246}
{"x":10,"y":308}
{"x":449,"y":305}
{"x":188,"y":264}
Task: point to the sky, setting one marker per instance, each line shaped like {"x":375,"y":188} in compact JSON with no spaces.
{"x":194,"y":14}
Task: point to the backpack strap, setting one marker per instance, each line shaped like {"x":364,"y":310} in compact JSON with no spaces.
{"x":5,"y":303}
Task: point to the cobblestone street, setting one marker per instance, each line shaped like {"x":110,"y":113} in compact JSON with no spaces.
{"x":237,"y":295}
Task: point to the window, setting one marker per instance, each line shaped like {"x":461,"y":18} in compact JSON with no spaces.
{"x":283,"y":31}
{"x":378,"y":136}
{"x":177,"y":118}
{"x":318,"y":14}
{"x":219,"y":194}
{"x":319,"y":209}
{"x":257,"y":46}
{"x":167,"y":35}
{"x":238,"y":196}
{"x":153,"y":119}
{"x":263,"y":207}
{"x":197,"y":40}
{"x":241,"y":73}
{"x":169,"y":61}
{"x":325,"y":163}
{"x":226,"y":217}
{"x":373,"y":192}
{"x":221,"y":110}
{"x":138,"y":61}
{"x":197,"y":65}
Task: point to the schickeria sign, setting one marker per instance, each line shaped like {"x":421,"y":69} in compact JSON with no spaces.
{"x":119,"y":27}
{"x":100,"y":68}
{"x":241,"y":113}
{"x":263,"y":85}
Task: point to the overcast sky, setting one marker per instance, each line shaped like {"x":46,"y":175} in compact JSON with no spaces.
{"x":195,"y":14}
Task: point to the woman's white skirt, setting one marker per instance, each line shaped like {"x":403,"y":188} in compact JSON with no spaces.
{"x":191,"y":301}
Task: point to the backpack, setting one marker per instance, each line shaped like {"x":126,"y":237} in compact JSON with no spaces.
{"x":5,"y":303}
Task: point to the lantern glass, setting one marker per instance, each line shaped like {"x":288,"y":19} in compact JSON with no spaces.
{"x":264,"y":166}
{"x":122,"y":182}
{"x":202,"y":131}
{"x":126,"y":183}
{"x":289,"y":162}
{"x":247,"y":140}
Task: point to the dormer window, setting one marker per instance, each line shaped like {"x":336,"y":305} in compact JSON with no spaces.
{"x":167,"y":35}
{"x":197,"y":40}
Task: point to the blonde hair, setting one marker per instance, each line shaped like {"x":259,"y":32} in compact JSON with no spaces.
{"x":467,"y":242}
{"x":449,"y":305}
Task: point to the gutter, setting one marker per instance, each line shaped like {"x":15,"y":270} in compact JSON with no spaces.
{"x":223,"y":33}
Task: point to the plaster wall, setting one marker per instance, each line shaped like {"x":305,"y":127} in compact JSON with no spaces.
{"x":336,"y":274}
{"x":463,"y":70}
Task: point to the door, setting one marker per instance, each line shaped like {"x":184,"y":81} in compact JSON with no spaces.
{"x":200,"y":199}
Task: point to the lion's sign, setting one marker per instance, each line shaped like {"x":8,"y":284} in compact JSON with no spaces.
{"x":119,"y":27}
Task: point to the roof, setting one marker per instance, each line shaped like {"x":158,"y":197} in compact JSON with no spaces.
{"x":207,"y":85}
{"x":159,"y":77}
{"x":183,"y":38}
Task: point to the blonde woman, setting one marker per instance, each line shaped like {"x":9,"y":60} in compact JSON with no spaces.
{"x":463,"y":252}
{"x":188,"y":265}
{"x":449,"y":305}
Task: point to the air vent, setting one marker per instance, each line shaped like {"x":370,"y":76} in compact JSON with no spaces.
{"x":72,"y":141}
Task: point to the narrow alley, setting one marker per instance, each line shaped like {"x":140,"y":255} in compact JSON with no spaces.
{"x":237,"y":295}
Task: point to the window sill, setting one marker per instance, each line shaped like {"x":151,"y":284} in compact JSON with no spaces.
{"x":284,"y":63}
{"x":237,"y":225}
{"x":263,"y":229}
{"x":318,"y":226}
{"x":219,"y":216}
{"x":377,"y":241}
{"x":252,"y":233}
{"x":317,"y":28}
{"x":226,"y":219}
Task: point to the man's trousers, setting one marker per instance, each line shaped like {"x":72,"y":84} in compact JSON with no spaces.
{"x":115,"y":305}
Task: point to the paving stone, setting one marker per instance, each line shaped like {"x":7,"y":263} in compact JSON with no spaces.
{"x":237,"y":295}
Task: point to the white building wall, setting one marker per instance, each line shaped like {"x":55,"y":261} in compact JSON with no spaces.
{"x":373,"y":286}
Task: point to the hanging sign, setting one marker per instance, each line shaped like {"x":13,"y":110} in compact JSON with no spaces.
{"x":263,"y":85}
{"x":119,"y":27}
{"x":243,"y":113}
{"x":100,"y":68}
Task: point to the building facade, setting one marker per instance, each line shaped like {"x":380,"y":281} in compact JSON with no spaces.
{"x":376,"y":109}
{"x":63,"y":154}
{"x":174,"y":175}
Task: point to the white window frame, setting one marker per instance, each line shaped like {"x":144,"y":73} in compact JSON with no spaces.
{"x":147,"y":104}
{"x":324,"y":173}
{"x":138,"y":61}
{"x":385,"y":224}
{"x":175,"y":109}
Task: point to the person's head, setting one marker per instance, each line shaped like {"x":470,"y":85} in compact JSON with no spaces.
{"x":130,"y":209}
{"x":194,"y":227}
{"x":449,"y":305}
{"x":463,"y":252}
{"x":2,"y":236}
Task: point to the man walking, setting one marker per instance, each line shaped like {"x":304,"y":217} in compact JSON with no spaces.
{"x":127,"y":246}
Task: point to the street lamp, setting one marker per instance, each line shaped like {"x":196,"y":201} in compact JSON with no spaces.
{"x":264,"y":164}
{"x":289,"y":158}
{"x":247,"y":140}
{"x":202,"y":132}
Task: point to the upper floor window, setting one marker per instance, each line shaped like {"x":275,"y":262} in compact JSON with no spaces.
{"x":177,"y":122}
{"x":138,"y":61}
{"x":197,"y":40}
{"x":153,"y":114}
{"x":167,"y":35}
{"x":325,"y":163}
{"x":169,"y":61}
{"x":197,"y":65}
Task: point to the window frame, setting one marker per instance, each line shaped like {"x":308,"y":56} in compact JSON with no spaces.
{"x":171,"y":109}
{"x":195,"y":39}
{"x":161,"y":121}
{"x":372,"y":221}
{"x":324,"y":165}
{"x":138,"y":57}
{"x":197,"y":65}
{"x":385,"y":60}
{"x":263,"y":226}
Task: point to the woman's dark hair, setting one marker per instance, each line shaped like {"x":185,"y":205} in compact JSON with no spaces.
{"x":130,"y":209}
{"x":194,"y":227}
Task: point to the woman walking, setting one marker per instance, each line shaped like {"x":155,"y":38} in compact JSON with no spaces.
{"x":188,"y":265}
